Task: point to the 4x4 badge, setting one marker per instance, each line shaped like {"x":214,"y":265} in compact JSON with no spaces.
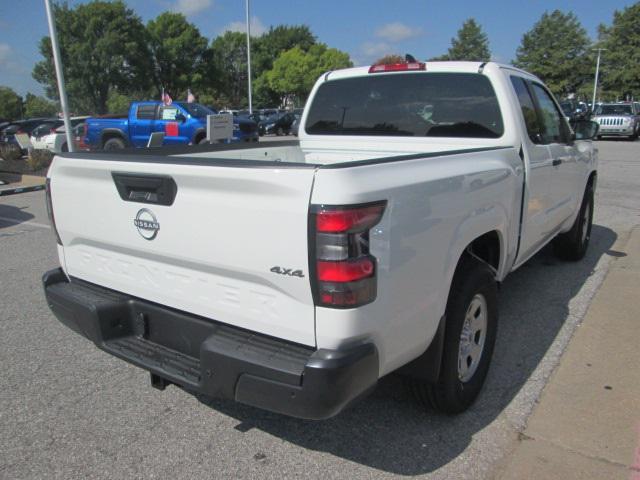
{"x":288,"y":271}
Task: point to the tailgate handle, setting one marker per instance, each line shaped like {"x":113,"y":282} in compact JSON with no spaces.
{"x":155,"y":189}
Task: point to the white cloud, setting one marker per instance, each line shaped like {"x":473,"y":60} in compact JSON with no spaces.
{"x":397,"y":31}
{"x":5,"y":53}
{"x":376,"y":49}
{"x":190,"y":7}
{"x":256,"y":25}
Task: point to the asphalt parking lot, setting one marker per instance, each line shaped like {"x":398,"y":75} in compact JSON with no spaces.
{"x":68,"y":410}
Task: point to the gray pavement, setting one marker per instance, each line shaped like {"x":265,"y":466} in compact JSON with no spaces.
{"x":68,"y":410}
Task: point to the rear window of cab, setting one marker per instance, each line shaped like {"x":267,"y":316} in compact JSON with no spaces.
{"x":407,"y":105}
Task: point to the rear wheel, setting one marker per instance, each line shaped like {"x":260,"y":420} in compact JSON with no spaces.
{"x":202,"y":141}
{"x":279,"y":131}
{"x":470,"y":333}
{"x":113,"y":144}
{"x":573,"y":244}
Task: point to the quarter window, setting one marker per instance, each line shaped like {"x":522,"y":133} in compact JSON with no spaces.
{"x":528,"y":109}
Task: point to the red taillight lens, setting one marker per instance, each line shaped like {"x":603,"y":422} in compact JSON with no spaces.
{"x":345,"y":270}
{"x":348,"y":219}
{"x":398,"y":67}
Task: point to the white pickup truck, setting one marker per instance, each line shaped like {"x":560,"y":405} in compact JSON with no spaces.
{"x":292,"y":276}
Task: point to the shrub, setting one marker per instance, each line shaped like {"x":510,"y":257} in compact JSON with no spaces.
{"x":9,"y":151}
{"x":39,"y":159}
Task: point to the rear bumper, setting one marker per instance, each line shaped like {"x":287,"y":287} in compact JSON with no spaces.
{"x":211,"y":358}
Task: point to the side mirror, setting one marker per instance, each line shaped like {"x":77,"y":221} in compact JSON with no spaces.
{"x":586,"y":129}
{"x":180,"y":117}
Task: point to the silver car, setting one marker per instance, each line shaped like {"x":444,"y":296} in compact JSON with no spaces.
{"x":618,"y":119}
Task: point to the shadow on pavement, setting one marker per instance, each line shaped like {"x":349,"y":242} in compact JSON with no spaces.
{"x":389,"y":432}
{"x":11,"y":216}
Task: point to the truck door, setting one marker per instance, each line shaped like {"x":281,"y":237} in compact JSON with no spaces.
{"x":172,"y":121}
{"x":535,"y":222}
{"x":141,"y":123}
{"x":564,"y":156}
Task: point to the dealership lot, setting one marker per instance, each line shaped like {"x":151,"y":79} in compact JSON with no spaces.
{"x":69,"y":410}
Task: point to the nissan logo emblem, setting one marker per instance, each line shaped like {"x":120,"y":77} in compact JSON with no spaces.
{"x":147,"y":224}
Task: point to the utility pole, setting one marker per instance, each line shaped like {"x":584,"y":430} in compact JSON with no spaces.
{"x":595,"y":83}
{"x":58,"y":64}
{"x":249,"y":57}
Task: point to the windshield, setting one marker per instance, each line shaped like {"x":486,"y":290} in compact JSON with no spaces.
{"x":614,"y":110}
{"x":197,"y":110}
{"x":424,"y":104}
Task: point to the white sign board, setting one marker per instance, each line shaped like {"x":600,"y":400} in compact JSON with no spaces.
{"x":219,"y":127}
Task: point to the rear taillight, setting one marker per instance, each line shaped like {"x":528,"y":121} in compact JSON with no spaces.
{"x":343,"y":269}
{"x":52,"y":218}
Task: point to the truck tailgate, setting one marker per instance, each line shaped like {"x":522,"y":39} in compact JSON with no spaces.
{"x":210,"y":252}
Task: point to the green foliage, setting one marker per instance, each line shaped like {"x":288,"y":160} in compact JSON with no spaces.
{"x":10,"y":104}
{"x":229,"y":52}
{"x":39,"y":159}
{"x":555,"y":50}
{"x":35,"y":106}
{"x":179,"y":52}
{"x":103,"y":47}
{"x":621,"y":61}
{"x":471,"y":44}
{"x":295,"y":71}
{"x":118,"y":103}
{"x":389,"y":59}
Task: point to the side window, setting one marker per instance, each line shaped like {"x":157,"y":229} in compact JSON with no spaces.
{"x":528,"y":109}
{"x":553,"y":124}
{"x":146,"y":112}
{"x":167,"y":113}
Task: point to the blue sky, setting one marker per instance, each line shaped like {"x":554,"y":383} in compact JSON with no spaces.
{"x":366,"y":29}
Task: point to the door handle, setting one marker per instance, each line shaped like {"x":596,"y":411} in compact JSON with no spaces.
{"x":556,"y":162}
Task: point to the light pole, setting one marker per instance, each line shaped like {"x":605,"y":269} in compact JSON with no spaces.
{"x":595,"y":83}
{"x":249,"y":57}
{"x":58,"y":64}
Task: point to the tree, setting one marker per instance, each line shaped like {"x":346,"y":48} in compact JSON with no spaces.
{"x":295,"y":71}
{"x":470,"y":44}
{"x":555,"y":50}
{"x":10,"y":104}
{"x":103,"y":46}
{"x":267,"y":48}
{"x":621,"y":61}
{"x":35,"y":106}
{"x":229,"y":55}
{"x":179,"y":53}
{"x":390,"y":59}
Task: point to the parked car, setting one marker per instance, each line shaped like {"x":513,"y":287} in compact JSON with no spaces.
{"x":181,"y":122}
{"x":618,"y":120}
{"x":293,"y":277}
{"x":22,"y":126}
{"x":51,"y":135}
{"x":278,"y":124}
{"x":295,"y":126}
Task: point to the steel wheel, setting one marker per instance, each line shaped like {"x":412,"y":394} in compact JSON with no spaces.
{"x":472,"y":338}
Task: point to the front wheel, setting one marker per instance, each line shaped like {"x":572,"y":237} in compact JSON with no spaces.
{"x":113,"y":144}
{"x":573,"y":244}
{"x":470,"y":334}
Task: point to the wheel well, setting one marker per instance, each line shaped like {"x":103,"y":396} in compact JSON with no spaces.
{"x":109,"y":135}
{"x":199,"y":135}
{"x":486,"y":248}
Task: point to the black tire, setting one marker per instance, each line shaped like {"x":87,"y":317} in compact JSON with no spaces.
{"x":64,"y":148}
{"x":113,"y":144}
{"x":279,"y":131}
{"x":453,"y":393}
{"x":202,"y":141}
{"x":573,"y":244}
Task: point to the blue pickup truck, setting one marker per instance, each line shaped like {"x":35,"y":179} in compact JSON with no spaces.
{"x":181,"y":122}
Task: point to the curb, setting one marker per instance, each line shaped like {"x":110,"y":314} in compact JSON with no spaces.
{"x":13,"y":191}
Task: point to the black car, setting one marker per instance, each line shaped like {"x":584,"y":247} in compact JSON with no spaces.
{"x":7,"y":136}
{"x":279,"y":124}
